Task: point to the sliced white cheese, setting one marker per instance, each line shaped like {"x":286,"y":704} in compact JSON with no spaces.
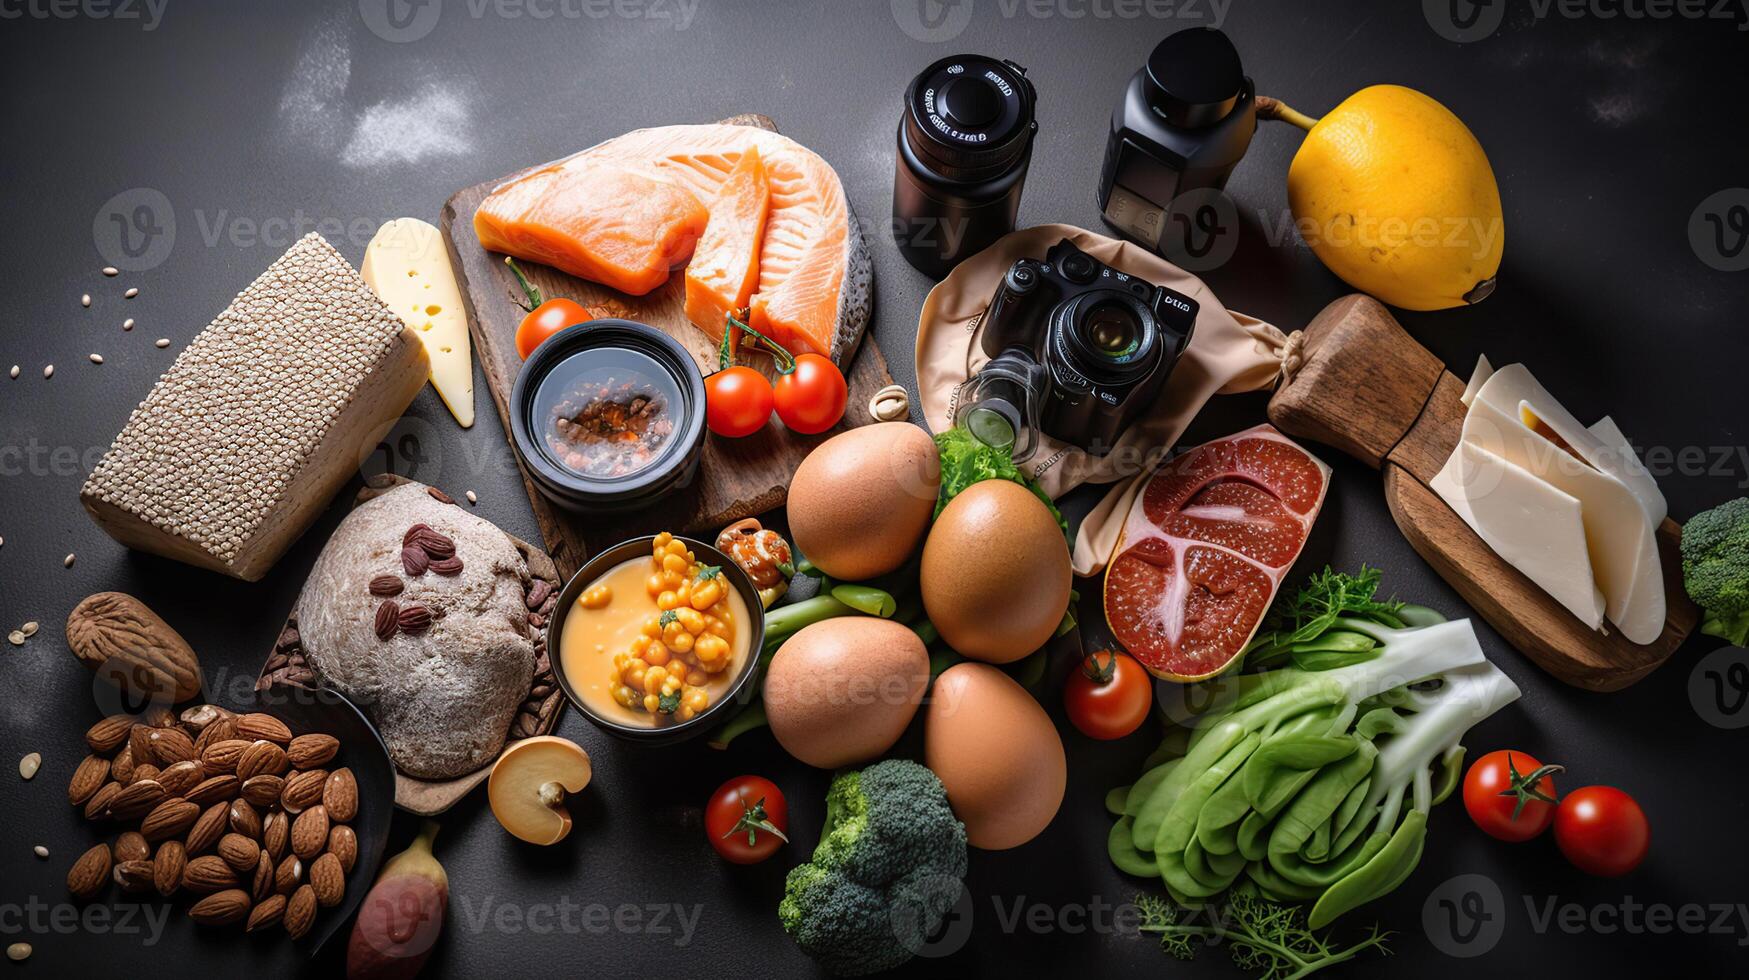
{"x":1478,"y":378}
{"x":1536,"y":528}
{"x":408,"y":267}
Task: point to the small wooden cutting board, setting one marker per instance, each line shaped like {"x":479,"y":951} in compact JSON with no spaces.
{"x":1367,"y":388}
{"x":736,"y":478}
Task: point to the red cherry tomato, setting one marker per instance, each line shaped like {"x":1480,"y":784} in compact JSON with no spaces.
{"x":737,"y":402}
{"x":811,"y":397}
{"x":545,"y":320}
{"x":1510,"y":795}
{"x":1109,"y":696}
{"x":747,"y":819}
{"x":1602,"y":831}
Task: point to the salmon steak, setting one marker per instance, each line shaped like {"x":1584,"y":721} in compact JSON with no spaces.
{"x":628,"y":212}
{"x":1204,"y":548}
{"x":724,"y":269}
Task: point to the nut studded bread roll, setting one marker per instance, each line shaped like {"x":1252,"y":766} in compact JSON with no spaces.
{"x":443,"y":671}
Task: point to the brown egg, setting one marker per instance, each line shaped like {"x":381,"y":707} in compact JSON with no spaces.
{"x":860,"y":502}
{"x":996,"y":572}
{"x":841,"y":691}
{"x":996,"y":753}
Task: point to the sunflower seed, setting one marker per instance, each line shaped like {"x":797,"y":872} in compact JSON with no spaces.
{"x":40,"y":851}
{"x":110,"y":270}
{"x":15,"y":370}
{"x":16,"y":638}
{"x":97,"y":358}
{"x":131,"y":293}
{"x":472,"y":499}
{"x":163,"y":342}
{"x":85,"y":300}
{"x":67,"y":562}
{"x":18,"y":952}
{"x":128,"y":324}
{"x":48,"y":372}
{"x":30,"y":628}
{"x":28,"y":765}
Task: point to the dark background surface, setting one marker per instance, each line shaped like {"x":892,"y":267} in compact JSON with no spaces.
{"x":1605,"y":133}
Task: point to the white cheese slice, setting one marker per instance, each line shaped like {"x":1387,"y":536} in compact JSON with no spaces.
{"x":1536,"y":528}
{"x":1478,"y":377}
{"x":408,"y":266}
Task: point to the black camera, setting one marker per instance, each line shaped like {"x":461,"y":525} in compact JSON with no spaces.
{"x":1077,"y":350}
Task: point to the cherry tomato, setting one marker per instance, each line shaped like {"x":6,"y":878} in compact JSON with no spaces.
{"x":1109,"y":696}
{"x":1510,"y":795}
{"x":1602,"y":831}
{"x":737,"y":402}
{"x":545,"y":320}
{"x":746,"y":819}
{"x":811,"y":397}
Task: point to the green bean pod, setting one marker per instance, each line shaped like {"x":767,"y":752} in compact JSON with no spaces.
{"x":866,"y":599}
{"x":1381,"y":875}
{"x":1124,"y":854}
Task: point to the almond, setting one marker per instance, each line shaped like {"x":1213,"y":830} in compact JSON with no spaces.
{"x":87,"y":779}
{"x":312,"y":751}
{"x":134,"y":877}
{"x":241,"y":853}
{"x":413,"y":618}
{"x":309,"y":832}
{"x":245,"y":819}
{"x":387,"y":616}
{"x":224,"y":729}
{"x":328,"y":880}
{"x":386,"y":586}
{"x":169,"y":819}
{"x":91,"y":872}
{"x":300,"y":912}
{"x":208,"y":829}
{"x":178,"y":779}
{"x":122,"y":768}
{"x":288,"y":875}
{"x":136,"y":799}
{"x":447,"y":566}
{"x":303,"y":790}
{"x":159,"y":716}
{"x":266,"y":913}
{"x":97,"y":808}
{"x":167,"y":867}
{"x":263,"y":790}
{"x":260,"y":757}
{"x":259,"y":725}
{"x":343,"y":844}
{"x":414,"y":560}
{"x":131,"y":846}
{"x":140,"y":743}
{"x":106,"y":736}
{"x":170,"y":746}
{"x":198,"y":719}
{"x":222,"y":756}
{"x":143,"y":771}
{"x":221,"y":908}
{"x":276,"y":834}
{"x":213,"y":789}
{"x":263,"y":884}
{"x":208,"y":873}
{"x":340,"y":795}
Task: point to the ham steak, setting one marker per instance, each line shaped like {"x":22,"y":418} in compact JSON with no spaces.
{"x":1204,"y":547}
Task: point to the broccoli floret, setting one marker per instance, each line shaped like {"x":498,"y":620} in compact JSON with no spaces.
{"x":887,"y":870}
{"x":1715,"y":568}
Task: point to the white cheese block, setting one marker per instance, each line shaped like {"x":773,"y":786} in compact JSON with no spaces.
{"x":1536,"y":528}
{"x":1478,"y":378}
{"x":407,"y":265}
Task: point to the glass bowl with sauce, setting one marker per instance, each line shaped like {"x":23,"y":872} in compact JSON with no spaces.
{"x":608,"y":416}
{"x":604,"y":655}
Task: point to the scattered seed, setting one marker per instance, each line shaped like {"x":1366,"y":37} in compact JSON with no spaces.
{"x":472,"y":499}
{"x":163,"y":342}
{"x":128,"y":324}
{"x":49,"y":371}
{"x":110,"y":270}
{"x":15,"y":370}
{"x":29,"y":629}
{"x":67,"y":562}
{"x":18,"y":952}
{"x":97,"y":358}
{"x":16,"y":638}
{"x":28,"y":765}
{"x":85,"y":300}
{"x":131,"y":293}
{"x":40,"y":851}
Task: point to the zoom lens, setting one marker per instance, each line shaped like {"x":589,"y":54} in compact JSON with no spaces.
{"x":1106,"y":335}
{"x":1112,"y":330}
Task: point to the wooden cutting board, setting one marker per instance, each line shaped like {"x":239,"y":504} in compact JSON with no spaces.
{"x":736,"y":478}
{"x":1367,"y":388}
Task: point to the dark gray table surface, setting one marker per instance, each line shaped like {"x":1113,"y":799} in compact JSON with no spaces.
{"x":250,"y":123}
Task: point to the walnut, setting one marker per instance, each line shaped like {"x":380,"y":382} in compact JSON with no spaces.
{"x":127,"y":645}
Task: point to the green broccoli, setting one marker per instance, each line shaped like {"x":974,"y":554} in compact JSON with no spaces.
{"x":887,"y":870}
{"x":1715,"y":568}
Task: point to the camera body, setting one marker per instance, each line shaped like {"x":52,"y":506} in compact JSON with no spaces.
{"x":1077,"y":350}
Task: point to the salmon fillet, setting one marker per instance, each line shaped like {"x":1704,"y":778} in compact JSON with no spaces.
{"x":598,"y":220}
{"x":725,"y":267}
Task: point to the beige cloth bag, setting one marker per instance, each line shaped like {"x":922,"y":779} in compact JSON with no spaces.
{"x":1229,"y":353}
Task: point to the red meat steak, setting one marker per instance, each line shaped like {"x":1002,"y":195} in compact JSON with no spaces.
{"x":1204,"y":547}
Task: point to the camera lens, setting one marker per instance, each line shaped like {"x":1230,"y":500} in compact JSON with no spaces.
{"x":1079,"y":267}
{"x":1112,"y":330}
{"x":1106,"y":335}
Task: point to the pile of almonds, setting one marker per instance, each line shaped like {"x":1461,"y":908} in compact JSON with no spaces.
{"x":232,"y":809}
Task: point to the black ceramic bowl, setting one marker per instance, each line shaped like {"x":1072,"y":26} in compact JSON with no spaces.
{"x":361,"y":750}
{"x":719,"y":711}
{"x":626,"y":359}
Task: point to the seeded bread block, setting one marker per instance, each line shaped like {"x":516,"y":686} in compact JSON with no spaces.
{"x":442,"y":696}
{"x":261,"y":419}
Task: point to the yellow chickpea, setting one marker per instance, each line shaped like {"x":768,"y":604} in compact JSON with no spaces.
{"x":707,"y":588}
{"x":652,"y":628}
{"x":653,"y":679}
{"x":712,"y":651}
{"x":651,"y":703}
{"x":673,"y":580}
{"x":690,"y":619}
{"x":714,"y":625}
{"x":677,"y":639}
{"x":696,"y":698}
{"x":597,"y":598}
{"x":655,"y":583}
{"x":661,"y":540}
{"x":696,"y":677}
{"x":657,"y":656}
{"x":667,"y":601}
{"x":624,"y":696}
{"x":685,"y":713}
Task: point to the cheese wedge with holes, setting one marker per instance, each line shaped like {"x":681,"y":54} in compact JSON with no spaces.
{"x":407,"y":265}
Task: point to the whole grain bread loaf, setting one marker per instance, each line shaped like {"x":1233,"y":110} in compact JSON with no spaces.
{"x":443,"y":673}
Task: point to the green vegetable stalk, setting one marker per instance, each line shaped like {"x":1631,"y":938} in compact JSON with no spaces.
{"x":1715,"y":569}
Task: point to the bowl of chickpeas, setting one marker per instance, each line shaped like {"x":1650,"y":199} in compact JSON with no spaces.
{"x":657,"y":638}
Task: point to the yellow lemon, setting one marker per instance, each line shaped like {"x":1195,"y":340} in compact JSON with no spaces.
{"x":1394,"y":194}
